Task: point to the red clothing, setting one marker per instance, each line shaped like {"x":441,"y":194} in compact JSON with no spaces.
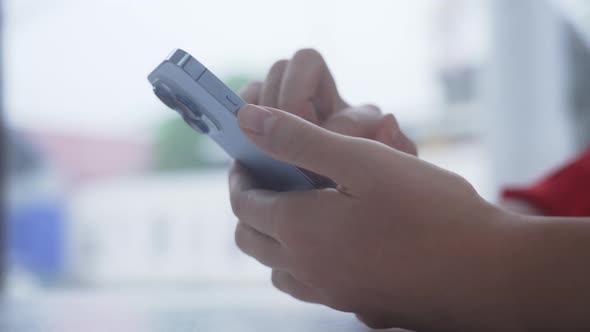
{"x":564,"y":193}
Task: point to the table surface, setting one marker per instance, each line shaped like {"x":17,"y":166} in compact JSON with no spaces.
{"x":205,"y":308}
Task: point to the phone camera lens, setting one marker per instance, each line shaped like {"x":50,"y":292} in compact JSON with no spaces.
{"x":201,"y":126}
{"x":164,"y":94}
{"x":196,"y":124}
{"x":188,"y":110}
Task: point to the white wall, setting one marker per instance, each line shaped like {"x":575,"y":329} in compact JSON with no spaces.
{"x":160,"y":228}
{"x":526,"y":124}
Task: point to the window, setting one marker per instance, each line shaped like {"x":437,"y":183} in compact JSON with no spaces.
{"x":124,"y":193}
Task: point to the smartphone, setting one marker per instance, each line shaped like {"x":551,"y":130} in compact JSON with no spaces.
{"x":210,"y":107}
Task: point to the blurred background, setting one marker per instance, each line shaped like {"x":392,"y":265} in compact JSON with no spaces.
{"x":108,"y":191}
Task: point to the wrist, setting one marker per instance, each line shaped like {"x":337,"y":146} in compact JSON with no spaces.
{"x":548,"y":278}
{"x":485,"y":299}
{"x":472,"y":289}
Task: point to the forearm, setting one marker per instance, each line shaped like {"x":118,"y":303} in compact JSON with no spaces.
{"x":549,"y":272}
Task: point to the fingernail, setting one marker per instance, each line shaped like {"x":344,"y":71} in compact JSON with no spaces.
{"x":255,"y":119}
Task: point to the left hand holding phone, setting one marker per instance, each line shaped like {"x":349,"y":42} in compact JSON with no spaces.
{"x":389,"y":243}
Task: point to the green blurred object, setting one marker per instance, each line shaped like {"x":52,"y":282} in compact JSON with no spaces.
{"x":178,"y":147}
{"x":237,"y":82}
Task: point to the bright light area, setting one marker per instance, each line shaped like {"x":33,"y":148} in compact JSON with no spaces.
{"x":81,"y":65}
{"x":76,"y":88}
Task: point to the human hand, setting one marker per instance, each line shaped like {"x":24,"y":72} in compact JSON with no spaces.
{"x":401,"y":241}
{"x":304,"y":86}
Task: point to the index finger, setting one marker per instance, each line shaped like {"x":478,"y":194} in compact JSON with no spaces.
{"x":288,"y":138}
{"x":308,"y":88}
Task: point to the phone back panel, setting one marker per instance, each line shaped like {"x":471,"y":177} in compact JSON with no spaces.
{"x":199,"y":91}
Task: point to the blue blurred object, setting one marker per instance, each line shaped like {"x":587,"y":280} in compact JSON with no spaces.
{"x":36,"y":238}
{"x":36,"y":213}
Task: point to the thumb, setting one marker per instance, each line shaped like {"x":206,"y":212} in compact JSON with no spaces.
{"x":296,"y":141}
